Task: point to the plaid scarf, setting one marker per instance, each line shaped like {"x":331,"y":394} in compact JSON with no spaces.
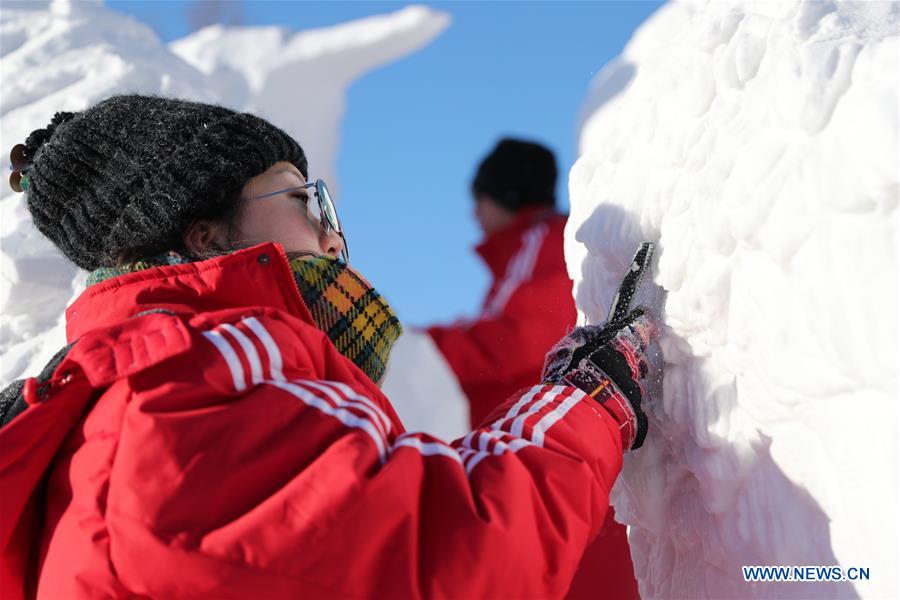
{"x":359,"y":322}
{"x":354,"y":316}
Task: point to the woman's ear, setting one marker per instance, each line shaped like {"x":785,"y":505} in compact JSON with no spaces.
{"x":204,"y":235}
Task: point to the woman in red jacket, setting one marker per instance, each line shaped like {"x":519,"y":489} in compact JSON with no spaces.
{"x":214,"y":428}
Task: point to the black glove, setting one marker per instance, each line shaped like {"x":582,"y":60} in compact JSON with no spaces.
{"x":607,"y":362}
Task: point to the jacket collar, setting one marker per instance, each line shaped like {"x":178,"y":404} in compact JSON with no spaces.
{"x":498,"y":248}
{"x":257,"y":276}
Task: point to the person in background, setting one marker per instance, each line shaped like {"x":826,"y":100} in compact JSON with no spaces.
{"x":528,"y":307}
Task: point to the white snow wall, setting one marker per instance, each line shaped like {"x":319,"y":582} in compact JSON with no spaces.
{"x":758,"y":145}
{"x":68,"y":55}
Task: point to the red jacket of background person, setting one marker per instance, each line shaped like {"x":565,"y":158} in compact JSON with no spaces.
{"x":528,"y":308}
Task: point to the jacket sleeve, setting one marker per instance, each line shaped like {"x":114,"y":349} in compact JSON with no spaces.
{"x":512,"y":342}
{"x":302,"y":486}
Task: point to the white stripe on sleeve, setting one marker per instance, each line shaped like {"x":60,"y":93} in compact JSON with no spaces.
{"x":351,"y":393}
{"x":368,"y":408}
{"x":519,"y":424}
{"x":428,"y":448}
{"x":475,"y":460}
{"x":249,"y":350}
{"x":275,"y":360}
{"x":230,"y":356}
{"x":515,"y":408}
{"x":537,"y":433}
{"x":342,"y":414}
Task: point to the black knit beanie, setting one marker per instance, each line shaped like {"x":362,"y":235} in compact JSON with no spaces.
{"x":517,"y":174}
{"x":135,"y":171}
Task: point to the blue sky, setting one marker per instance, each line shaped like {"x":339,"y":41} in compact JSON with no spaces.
{"x":416,"y":129}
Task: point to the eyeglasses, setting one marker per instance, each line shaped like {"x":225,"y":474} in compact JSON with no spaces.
{"x":323,"y":211}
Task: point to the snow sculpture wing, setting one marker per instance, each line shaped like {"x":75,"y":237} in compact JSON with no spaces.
{"x":757,"y":144}
{"x":269,"y":66}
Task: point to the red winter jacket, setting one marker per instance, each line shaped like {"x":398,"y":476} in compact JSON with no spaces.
{"x":528,"y":308}
{"x":218,"y":446}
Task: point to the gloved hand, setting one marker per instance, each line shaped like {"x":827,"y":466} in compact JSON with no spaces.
{"x":607,"y":362}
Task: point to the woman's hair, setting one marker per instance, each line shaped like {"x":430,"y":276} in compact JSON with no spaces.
{"x":228,"y":214}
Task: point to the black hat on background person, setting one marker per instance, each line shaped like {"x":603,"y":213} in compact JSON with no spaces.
{"x":516,"y":175}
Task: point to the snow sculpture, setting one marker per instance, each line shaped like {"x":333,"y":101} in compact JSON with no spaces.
{"x":269,"y":68}
{"x":69,"y":54}
{"x":757,"y":143}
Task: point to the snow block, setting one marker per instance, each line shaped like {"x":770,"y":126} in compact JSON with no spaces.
{"x":757,"y":145}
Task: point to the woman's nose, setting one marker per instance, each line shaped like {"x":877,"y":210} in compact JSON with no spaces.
{"x":332,"y":243}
